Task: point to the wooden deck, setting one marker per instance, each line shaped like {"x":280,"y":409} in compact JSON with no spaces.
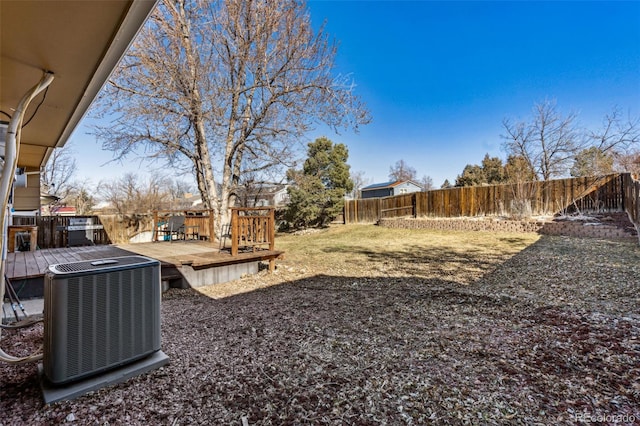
{"x":34,"y":264}
{"x":179,"y":259}
{"x":197,"y":254}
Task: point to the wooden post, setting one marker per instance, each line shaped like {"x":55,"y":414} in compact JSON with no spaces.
{"x":155,"y":226}
{"x":212,"y":229}
{"x":272,"y":229}
{"x":234,"y":232}
{"x":271,"y":226}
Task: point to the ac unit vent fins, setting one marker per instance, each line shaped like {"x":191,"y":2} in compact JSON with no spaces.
{"x":100,"y":315}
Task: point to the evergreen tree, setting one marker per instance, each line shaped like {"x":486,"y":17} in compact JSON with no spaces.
{"x":446,"y":184}
{"x":472,"y":175}
{"x":493,"y":170}
{"x":518,"y":170}
{"x":318,"y":190}
{"x":592,"y":162}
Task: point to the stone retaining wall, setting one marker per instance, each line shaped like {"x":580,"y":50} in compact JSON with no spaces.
{"x":562,"y":227}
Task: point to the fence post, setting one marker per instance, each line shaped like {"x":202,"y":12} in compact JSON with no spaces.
{"x":413,"y":205}
{"x":345,"y":209}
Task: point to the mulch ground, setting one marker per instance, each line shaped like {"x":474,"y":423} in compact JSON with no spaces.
{"x":549,"y":336}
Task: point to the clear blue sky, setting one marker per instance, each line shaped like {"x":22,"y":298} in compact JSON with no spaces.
{"x":439,"y":77}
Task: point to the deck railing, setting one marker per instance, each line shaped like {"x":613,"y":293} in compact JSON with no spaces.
{"x":52,"y":230}
{"x":252,"y":227}
{"x":200,"y":220}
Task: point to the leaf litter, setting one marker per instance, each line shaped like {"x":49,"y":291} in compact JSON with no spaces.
{"x":385,"y":327}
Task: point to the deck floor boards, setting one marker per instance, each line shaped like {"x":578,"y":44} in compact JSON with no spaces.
{"x":197,"y":254}
{"x":31,"y":264}
{"x":40,"y":262}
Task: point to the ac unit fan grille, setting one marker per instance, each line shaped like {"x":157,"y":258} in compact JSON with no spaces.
{"x":95,"y":265}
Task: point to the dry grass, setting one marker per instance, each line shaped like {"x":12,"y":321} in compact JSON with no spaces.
{"x":372,"y":251}
{"x":367,"y":326}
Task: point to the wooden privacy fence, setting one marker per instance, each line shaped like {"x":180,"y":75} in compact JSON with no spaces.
{"x":607,"y":193}
{"x":631,"y":188}
{"x":52,"y":230}
{"x":252,"y":227}
{"x":121,"y":228}
{"x":398,"y":206}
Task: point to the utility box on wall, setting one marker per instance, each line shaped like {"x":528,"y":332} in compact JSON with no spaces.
{"x":26,"y":197}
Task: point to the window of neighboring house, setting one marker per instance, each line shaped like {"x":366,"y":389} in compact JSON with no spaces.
{"x":403,"y":190}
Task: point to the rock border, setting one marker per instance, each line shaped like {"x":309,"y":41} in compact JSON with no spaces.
{"x":615,"y":226}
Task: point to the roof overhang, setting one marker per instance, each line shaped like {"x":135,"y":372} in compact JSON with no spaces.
{"x":81,"y":42}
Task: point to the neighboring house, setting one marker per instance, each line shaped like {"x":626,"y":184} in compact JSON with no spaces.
{"x":63,"y":211}
{"x":193,"y":200}
{"x":268,"y":195}
{"x":187,"y":201}
{"x":281,"y":196}
{"x":388,"y":189}
{"x":103,"y":207}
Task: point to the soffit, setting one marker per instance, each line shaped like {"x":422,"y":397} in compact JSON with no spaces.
{"x":81,"y":42}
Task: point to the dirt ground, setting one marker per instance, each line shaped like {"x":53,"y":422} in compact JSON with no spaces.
{"x":367,"y":326}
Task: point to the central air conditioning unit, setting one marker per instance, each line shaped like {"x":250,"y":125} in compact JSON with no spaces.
{"x":99,"y":315}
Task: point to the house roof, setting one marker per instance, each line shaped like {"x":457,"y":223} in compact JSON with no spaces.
{"x":379,"y":185}
{"x":81,"y":42}
{"x":64,"y":210}
{"x":387,"y":185}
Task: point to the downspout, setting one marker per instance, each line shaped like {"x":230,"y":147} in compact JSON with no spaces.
{"x":12,"y":148}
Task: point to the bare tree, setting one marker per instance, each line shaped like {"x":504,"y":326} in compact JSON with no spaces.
{"x":551,"y":143}
{"x":618,"y":140}
{"x":57,"y":177}
{"x":226,"y":88}
{"x":130,"y":194}
{"x":359,"y":181}
{"x":427,"y":183}
{"x":402,"y":171}
{"x":80,"y":197}
{"x":176,"y":194}
{"x":548,"y":143}
{"x":617,"y":135}
{"x":628,"y":162}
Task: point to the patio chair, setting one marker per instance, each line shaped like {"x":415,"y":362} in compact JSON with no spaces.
{"x":225,"y":233}
{"x":175,"y":226}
